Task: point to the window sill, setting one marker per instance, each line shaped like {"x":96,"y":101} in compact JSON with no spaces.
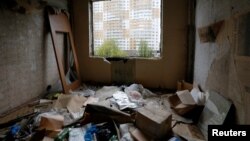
{"x":125,"y":58}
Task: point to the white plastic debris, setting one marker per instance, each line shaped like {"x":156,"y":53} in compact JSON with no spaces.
{"x":76,"y":134}
{"x":136,"y":97}
{"x":133,"y":87}
{"x":77,"y":115}
{"x":198,"y":96}
{"x":124,"y":129}
{"x":174,"y":139}
{"x":139,"y":88}
{"x":122,"y":100}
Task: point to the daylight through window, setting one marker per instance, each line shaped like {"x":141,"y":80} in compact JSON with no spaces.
{"x":126,"y":28}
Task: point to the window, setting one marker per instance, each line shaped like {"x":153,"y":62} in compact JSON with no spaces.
{"x":126,"y":28}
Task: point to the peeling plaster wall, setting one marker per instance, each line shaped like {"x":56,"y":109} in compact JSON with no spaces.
{"x":218,"y":65}
{"x":162,"y":73}
{"x":27,"y":60}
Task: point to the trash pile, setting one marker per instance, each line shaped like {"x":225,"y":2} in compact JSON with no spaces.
{"x":111,"y":113}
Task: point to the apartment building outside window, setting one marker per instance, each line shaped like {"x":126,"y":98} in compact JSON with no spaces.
{"x":133,"y":28}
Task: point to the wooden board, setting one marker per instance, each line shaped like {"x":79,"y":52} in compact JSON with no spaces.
{"x":59,"y":23}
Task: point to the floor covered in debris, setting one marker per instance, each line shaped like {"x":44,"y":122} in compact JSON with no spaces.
{"x":112,"y":113}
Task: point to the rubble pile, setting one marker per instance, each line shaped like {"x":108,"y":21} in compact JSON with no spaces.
{"x":111,"y":113}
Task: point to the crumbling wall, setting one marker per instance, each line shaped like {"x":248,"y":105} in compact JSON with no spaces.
{"x":218,"y":65}
{"x":27,"y":61}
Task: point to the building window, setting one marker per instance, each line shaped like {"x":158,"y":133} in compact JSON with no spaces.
{"x":126,"y":28}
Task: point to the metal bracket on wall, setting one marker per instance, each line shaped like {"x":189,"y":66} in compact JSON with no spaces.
{"x":67,"y":63}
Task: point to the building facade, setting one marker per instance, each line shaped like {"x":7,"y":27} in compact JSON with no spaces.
{"x":127,"y":22}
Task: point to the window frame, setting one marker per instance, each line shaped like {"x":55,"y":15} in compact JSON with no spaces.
{"x":91,"y":34}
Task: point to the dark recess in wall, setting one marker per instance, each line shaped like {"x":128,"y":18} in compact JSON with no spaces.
{"x":191,"y":40}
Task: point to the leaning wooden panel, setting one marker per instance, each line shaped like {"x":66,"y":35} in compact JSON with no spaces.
{"x":59,"y":23}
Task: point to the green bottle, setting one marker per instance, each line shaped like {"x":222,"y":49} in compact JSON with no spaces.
{"x":62,"y":135}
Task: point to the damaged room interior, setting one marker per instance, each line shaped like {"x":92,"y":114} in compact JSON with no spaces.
{"x":124,"y":70}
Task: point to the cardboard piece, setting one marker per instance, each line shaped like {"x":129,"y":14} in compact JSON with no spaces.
{"x":189,"y":132}
{"x":184,"y":101}
{"x":186,"y":97}
{"x":182,"y":85}
{"x":90,"y":100}
{"x":138,"y":135}
{"x":52,"y":134}
{"x":72,"y":102}
{"x":100,"y":113}
{"x":177,"y":106}
{"x":215,"y":112}
{"x":149,"y":121}
{"x":51,"y":122}
{"x":47,"y":139}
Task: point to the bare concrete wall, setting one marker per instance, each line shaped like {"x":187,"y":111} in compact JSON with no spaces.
{"x":27,"y":61}
{"x":218,"y":66}
{"x":162,"y":73}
